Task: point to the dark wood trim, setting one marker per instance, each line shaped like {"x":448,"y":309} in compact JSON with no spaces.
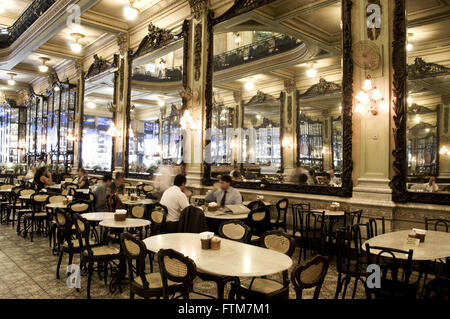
{"x":241,"y":7}
{"x":398,"y":182}
{"x":125,"y":161}
{"x":80,"y":133}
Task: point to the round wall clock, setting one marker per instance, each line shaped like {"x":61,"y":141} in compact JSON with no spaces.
{"x":366,"y":55}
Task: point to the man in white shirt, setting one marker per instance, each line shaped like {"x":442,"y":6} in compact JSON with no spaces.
{"x":175,"y":200}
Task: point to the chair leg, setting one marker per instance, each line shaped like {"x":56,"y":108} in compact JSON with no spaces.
{"x":339,"y":286}
{"x":33,"y":223}
{"x":61,"y":253}
{"x":355,"y":287}
{"x":70,"y":259}
{"x":347,"y":281}
{"x":90,"y":272}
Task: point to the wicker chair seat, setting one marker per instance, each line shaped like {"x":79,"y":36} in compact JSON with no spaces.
{"x":155,"y":281}
{"x":262,"y":285}
{"x":103,"y":251}
{"x":36,"y":215}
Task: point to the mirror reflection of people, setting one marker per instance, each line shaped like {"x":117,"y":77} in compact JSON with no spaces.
{"x":312,"y":180}
{"x":302,"y":179}
{"x":326,"y":179}
{"x":41,"y":162}
{"x":432,"y":186}
{"x":236,"y":174}
{"x":43,"y":178}
{"x":226,"y":195}
{"x":334,"y":180}
{"x":29,"y":177}
{"x":83,"y":180}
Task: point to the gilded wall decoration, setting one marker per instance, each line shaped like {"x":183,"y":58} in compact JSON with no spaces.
{"x":198,"y":50}
{"x":198,"y":7}
{"x":155,"y":39}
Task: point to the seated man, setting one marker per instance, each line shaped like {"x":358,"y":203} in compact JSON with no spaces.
{"x":101,"y":192}
{"x":83,"y":180}
{"x":117,"y":186}
{"x":175,"y":200}
{"x":226,"y":195}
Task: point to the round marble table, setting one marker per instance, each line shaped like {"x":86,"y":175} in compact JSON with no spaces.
{"x":436,"y":245}
{"x":6,"y":190}
{"x":138,"y":202}
{"x":232,"y":259}
{"x":128,"y":223}
{"x":56,"y":186}
{"x":221,"y":214}
{"x":25,"y":197}
{"x":330,"y":213}
{"x":97,"y":216}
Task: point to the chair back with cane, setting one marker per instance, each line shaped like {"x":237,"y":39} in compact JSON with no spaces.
{"x":235,"y":230}
{"x":157,"y":216}
{"x":310,"y":275}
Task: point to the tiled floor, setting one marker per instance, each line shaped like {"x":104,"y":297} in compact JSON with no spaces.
{"x":27,"y":270}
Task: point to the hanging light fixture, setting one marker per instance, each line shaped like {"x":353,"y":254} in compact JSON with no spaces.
{"x":91,"y":105}
{"x":161,"y":103}
{"x":76,"y":45}
{"x":370,"y":99}
{"x":186,"y":120}
{"x":130,"y":12}
{"x":43,"y":67}
{"x":237,"y":38}
{"x":312,"y":71}
{"x":70,"y":136}
{"x":417,"y":119}
{"x":286,"y":143}
{"x":56,"y":88}
{"x":11,"y":81}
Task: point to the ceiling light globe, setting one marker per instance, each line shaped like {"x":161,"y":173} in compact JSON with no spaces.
{"x":249,"y":86}
{"x":161,"y":103}
{"x":409,"y":46}
{"x":311,"y":73}
{"x":43,"y":68}
{"x":91,"y":105}
{"x":130,"y":13}
{"x":11,"y":82}
{"x":76,"y":47}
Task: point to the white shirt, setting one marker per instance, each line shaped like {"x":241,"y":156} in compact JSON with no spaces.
{"x":175,"y":201}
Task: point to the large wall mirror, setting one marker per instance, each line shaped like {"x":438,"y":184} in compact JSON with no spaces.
{"x":98,"y":117}
{"x":154,"y":136}
{"x":279,"y":102}
{"x":422,"y":87}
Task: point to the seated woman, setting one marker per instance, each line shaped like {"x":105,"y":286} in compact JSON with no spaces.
{"x":236,"y":174}
{"x":431,"y":186}
{"x":43,"y":178}
{"x":83,"y":180}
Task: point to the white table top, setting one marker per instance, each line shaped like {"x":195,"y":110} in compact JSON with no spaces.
{"x":6,"y":190}
{"x":198,"y":196}
{"x":83,"y":190}
{"x":56,"y":186}
{"x":220,"y":214}
{"x":25,"y":197}
{"x":56,"y":205}
{"x":137,"y":202}
{"x":436,"y":245}
{"x":97,"y":216}
{"x":332,"y":213}
{"x":232,"y":259}
{"x":128,"y":223}
{"x":130,"y":187}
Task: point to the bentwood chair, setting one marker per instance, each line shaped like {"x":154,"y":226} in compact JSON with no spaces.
{"x":350,"y":261}
{"x":14,"y":205}
{"x":4,"y":202}
{"x":79,"y":206}
{"x":100,"y":254}
{"x":66,"y":242}
{"x":52,"y":199}
{"x":259,"y":222}
{"x":310,"y":275}
{"x":37,"y":220}
{"x":21,"y":207}
{"x":439,"y":286}
{"x":282,"y":207}
{"x":141,"y":284}
{"x":139,"y":212}
{"x":178,"y":273}
{"x":377,"y":226}
{"x":147,"y":190}
{"x":297,"y":209}
{"x":395,"y":273}
{"x":312,"y":229}
{"x":235,"y":230}
{"x":255,"y":204}
{"x":264,"y":288}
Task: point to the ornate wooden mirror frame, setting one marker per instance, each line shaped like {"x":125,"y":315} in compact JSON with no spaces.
{"x":401,"y":69}
{"x":241,"y":7}
{"x":156,"y":39}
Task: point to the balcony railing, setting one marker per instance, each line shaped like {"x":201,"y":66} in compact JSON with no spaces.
{"x":254,"y":51}
{"x":29,"y":16}
{"x":159,"y":75}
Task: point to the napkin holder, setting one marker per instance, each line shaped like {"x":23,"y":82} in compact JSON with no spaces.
{"x":215,"y":243}
{"x":213,"y":208}
{"x":205,"y":239}
{"x":420,"y":233}
{"x":120,"y":215}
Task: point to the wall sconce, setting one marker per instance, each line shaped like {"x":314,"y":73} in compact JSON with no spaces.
{"x":112,"y":130}
{"x":370,"y":99}
{"x":444,"y":151}
{"x":325,"y":150}
{"x":286,"y":143}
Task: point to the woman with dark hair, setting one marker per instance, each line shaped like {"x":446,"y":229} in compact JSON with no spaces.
{"x":43,"y":178}
{"x":83,"y":180}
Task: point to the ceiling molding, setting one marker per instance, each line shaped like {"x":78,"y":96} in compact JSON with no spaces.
{"x":106,"y":23}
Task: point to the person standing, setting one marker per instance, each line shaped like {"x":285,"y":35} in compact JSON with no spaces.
{"x":175,"y":200}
